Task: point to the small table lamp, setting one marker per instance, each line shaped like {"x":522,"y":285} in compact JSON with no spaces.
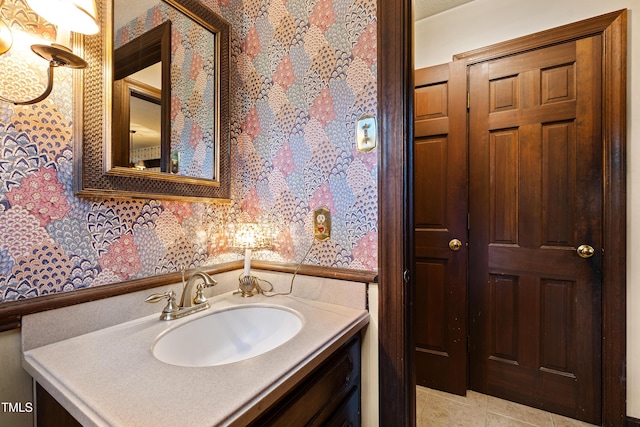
{"x":249,"y":236}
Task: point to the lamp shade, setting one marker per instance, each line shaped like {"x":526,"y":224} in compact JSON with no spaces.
{"x":249,"y":236}
{"x":74,"y":15}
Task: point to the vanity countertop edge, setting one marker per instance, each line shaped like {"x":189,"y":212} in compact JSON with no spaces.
{"x":109,"y":377}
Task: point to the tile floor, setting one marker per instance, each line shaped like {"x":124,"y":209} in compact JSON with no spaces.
{"x":437,"y":409}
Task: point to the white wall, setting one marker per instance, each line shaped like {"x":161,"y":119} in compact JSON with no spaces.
{"x":15,"y":384}
{"x":484,"y":22}
{"x":370,"y":410}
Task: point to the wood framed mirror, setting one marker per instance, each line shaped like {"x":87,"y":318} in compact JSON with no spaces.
{"x":101,"y":142}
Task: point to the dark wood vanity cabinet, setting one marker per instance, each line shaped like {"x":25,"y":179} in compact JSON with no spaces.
{"x":49,"y":413}
{"x":328,"y":396}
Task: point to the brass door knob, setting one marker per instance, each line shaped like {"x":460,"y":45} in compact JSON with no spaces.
{"x":586,"y":251}
{"x":455,"y":245}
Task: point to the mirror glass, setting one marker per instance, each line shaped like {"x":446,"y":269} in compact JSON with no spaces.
{"x":165,"y":84}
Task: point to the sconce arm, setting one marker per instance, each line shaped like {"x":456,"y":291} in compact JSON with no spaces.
{"x":47,"y":91}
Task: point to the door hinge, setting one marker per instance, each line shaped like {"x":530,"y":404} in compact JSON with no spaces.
{"x":468,"y":343}
{"x":406,"y":276}
{"x":468,"y":100}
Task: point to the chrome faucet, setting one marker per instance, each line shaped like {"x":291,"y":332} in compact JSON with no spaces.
{"x":189,"y":302}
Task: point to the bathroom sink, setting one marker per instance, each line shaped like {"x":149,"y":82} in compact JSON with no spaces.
{"x":227,"y":336}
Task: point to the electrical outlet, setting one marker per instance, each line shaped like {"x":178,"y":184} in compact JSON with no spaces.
{"x":321,"y":224}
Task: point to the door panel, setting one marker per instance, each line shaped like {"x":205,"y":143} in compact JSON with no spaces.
{"x":535,"y":196}
{"x":440,"y":156}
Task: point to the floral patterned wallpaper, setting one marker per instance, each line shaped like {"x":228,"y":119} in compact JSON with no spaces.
{"x":306,"y":71}
{"x":303,"y":72}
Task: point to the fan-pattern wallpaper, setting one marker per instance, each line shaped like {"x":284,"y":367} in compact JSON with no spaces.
{"x":303,"y":72}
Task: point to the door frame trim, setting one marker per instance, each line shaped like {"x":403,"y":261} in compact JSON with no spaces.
{"x":395,"y":86}
{"x":397,"y":382}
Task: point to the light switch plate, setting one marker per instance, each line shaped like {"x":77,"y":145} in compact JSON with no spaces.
{"x":366,"y":133}
{"x":321,"y":224}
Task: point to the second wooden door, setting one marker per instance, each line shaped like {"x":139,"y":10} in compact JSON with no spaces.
{"x":535,"y":209}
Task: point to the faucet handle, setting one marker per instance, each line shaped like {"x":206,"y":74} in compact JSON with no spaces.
{"x":208,"y":282}
{"x":160,"y":297}
{"x":199,"y":298}
{"x":170,"y":309}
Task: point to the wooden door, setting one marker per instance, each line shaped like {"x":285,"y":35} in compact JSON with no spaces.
{"x":440,"y":177}
{"x":535,"y":197}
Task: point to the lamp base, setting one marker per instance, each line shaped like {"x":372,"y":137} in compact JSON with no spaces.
{"x":247,"y":285}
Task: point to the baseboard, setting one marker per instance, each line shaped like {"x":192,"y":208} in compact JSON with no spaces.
{"x":632,"y":422}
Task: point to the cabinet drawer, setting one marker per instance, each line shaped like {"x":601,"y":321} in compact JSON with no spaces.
{"x":49,"y":413}
{"x":347,"y":414}
{"x":318,"y":398}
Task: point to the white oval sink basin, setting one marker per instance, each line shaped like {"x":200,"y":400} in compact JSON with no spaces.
{"x":227,"y":336}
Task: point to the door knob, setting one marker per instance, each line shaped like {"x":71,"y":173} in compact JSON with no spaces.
{"x":455,"y":244}
{"x":586,"y":251}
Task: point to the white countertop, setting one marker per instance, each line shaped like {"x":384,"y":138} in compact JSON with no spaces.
{"x":109,"y":377}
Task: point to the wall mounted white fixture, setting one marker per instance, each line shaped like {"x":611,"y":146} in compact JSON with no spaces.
{"x":366,"y":133}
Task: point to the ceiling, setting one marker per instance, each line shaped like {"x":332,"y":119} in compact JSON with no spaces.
{"x":425,"y":8}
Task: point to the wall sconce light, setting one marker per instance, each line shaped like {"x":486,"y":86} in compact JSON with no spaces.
{"x":68,"y":15}
{"x":249,"y":236}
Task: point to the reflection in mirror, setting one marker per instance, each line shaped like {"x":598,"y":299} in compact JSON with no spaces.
{"x":154,"y":32}
{"x":141,"y":108}
{"x":144,"y":127}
